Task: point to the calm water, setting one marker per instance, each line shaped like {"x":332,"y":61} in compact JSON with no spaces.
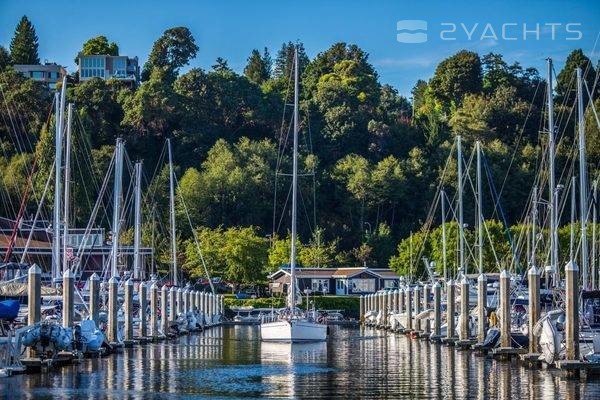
{"x":230,"y":362}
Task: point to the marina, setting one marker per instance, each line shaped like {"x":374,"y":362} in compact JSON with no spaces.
{"x":300,"y":223}
{"x":232,"y":362}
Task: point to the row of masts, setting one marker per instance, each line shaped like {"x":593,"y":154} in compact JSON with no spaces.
{"x":553,"y":199}
{"x":61,"y":256}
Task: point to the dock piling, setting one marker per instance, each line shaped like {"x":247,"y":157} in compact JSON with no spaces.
{"x":572,"y":311}
{"x":504,"y":309}
{"x":143,"y":289}
{"x":409,"y":319}
{"x":112,"y":310}
{"x":463,"y":333}
{"x":172,"y":306}
{"x":451,"y":303}
{"x":95,"y":297}
{"x":417,"y":306}
{"x":153,"y":310}
{"x":164,"y":320}
{"x":437,"y":311}
{"x":534,"y":306}
{"x":481,"y":308}
{"x":34,"y":294}
{"x":68,"y":298}
{"x":128,"y":305}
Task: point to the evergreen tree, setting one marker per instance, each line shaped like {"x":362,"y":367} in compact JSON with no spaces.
{"x":258,"y":69}
{"x":4,"y":58}
{"x":285,"y":59}
{"x":24,"y":44}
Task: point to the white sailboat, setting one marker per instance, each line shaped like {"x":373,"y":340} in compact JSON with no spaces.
{"x":294,"y":325}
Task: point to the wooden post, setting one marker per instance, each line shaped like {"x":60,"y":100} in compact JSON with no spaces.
{"x":385,"y":298}
{"x":198,"y":301}
{"x":505,"y":309}
{"x":68,"y":298}
{"x":179,"y":306}
{"x":401,"y":297}
{"x":153,"y":310}
{"x":417,"y":305}
{"x":571,"y":311}
{"x":362,"y":309}
{"x":426,"y":296}
{"x":95,"y":297}
{"x":408,"y":305}
{"x":186,"y":299}
{"x":128,"y":306}
{"x":437,"y":310}
{"x":463,"y":332}
{"x":172,"y":305}
{"x":451,"y":303}
{"x":112,"y":310}
{"x":481,"y":308}
{"x":34,"y":294}
{"x":143,"y":288}
{"x":164,"y":318}
{"x":534,"y":306}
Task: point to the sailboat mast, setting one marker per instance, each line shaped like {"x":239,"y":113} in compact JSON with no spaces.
{"x":479,"y":209}
{"x":294,"y":187}
{"x":172,"y":215}
{"x":551,"y":175}
{"x":137,"y":239}
{"x":533,"y":225}
{"x":583,"y":190}
{"x":117,"y":208}
{"x":60,"y":99}
{"x":461,"y":241}
{"x":67,"y":194}
{"x":444,"y":258}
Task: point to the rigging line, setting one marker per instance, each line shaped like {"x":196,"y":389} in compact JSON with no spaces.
{"x":501,"y":211}
{"x":425,"y":228}
{"x":37,"y":214}
{"x":287,"y":199}
{"x":94,"y":213}
{"x":519,"y":137}
{"x":194,"y":235}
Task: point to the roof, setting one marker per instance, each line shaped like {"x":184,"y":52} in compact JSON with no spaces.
{"x":344,"y":273}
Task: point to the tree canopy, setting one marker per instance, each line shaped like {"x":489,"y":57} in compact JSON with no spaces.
{"x":24,"y":44}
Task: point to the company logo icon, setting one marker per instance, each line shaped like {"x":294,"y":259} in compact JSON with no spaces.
{"x":411,"y":31}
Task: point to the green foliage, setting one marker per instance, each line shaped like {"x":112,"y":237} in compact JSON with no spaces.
{"x":455,"y":77}
{"x":174,"y":49}
{"x":348,"y":304}
{"x":258,"y":69}
{"x":566,"y":79}
{"x":24,"y":44}
{"x":5,"y":60}
{"x":285,"y":60}
{"x":236,"y":254}
{"x":98,"y":45}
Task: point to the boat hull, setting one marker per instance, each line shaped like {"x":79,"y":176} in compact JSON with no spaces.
{"x":293,"y":331}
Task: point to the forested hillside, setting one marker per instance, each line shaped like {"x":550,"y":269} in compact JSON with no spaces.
{"x":371,"y":159}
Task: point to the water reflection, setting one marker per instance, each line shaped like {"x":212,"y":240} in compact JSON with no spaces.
{"x":230,"y":362}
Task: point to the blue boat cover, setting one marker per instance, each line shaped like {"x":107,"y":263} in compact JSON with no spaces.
{"x":9,"y":309}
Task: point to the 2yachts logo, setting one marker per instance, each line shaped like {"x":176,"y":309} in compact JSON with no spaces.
{"x":411,"y":31}
{"x":415,"y":31}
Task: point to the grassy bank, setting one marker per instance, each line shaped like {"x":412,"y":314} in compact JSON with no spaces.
{"x":349,"y":305}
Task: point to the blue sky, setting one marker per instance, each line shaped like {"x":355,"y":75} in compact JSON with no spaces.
{"x":231,"y":29}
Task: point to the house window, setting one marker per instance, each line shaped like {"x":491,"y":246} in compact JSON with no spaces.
{"x":37,"y":74}
{"x":320,"y":285}
{"x":363,"y":285}
{"x":390,"y":284}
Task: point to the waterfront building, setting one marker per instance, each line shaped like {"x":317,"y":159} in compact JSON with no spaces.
{"x":335,"y":281}
{"x":106,"y":67}
{"x":48,"y":73}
